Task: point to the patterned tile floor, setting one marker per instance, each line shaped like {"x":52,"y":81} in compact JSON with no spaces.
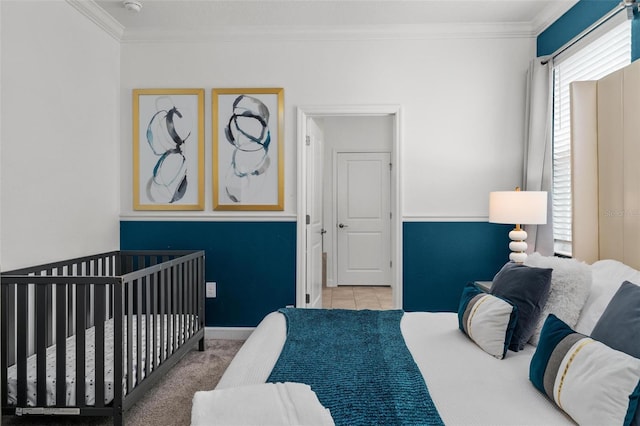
{"x":357,"y":297}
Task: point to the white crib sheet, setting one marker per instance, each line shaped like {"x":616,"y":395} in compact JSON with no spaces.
{"x":90,"y":362}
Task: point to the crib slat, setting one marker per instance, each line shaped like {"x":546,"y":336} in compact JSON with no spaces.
{"x":162,"y":316}
{"x":49,"y":308}
{"x":148,"y":320}
{"x":61,"y":344}
{"x":21,"y":345}
{"x":81,"y":312}
{"x":42,"y":312}
{"x":154,"y":312}
{"x":129,"y":337}
{"x":172,"y":307}
{"x":4,"y":349}
{"x":189,"y":303}
{"x":117,"y":335}
{"x":99,"y":306}
{"x":179,"y":317}
{"x":139,"y":316}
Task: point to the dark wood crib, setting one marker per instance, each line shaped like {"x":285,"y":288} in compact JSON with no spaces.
{"x":89,"y":336}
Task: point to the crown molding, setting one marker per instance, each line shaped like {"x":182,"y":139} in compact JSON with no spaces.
{"x":97,"y":15}
{"x":323,"y":33}
{"x":550,"y":14}
{"x":91,"y":10}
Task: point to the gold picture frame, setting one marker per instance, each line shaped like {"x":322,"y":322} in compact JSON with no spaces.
{"x":248,"y":135}
{"x":168,"y":149}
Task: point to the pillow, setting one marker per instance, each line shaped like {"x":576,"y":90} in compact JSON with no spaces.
{"x":619,"y":325}
{"x":607,"y":275}
{"x":591,"y":382}
{"x":527,"y":288}
{"x":487,"y":320}
{"x":570,"y":287}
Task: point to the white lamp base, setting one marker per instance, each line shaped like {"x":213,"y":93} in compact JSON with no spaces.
{"x":518,"y":245}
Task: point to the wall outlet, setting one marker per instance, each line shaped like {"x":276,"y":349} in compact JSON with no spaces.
{"x":210,"y":290}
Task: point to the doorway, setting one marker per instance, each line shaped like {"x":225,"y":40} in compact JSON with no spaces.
{"x":361,"y":119}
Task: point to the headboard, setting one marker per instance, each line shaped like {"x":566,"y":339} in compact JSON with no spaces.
{"x":605,"y":144}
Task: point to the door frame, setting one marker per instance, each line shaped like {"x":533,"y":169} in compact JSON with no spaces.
{"x":304,"y":112}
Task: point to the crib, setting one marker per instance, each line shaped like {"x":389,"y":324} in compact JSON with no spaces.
{"x":89,"y":336}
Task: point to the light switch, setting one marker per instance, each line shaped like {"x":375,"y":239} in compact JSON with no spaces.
{"x":211,"y":290}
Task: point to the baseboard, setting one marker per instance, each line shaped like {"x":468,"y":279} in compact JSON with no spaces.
{"x":228,"y":333}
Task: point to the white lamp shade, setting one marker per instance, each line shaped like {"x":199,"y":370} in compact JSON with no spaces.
{"x":518,"y":207}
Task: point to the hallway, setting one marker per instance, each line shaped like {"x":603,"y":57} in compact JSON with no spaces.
{"x":357,"y":297}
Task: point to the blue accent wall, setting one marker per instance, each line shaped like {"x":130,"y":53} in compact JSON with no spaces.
{"x":573,"y":22}
{"x":579,"y":18}
{"x":253,"y":263}
{"x":635,"y":37}
{"x":441,"y":257}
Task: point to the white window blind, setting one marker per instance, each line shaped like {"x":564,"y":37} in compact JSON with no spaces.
{"x":597,"y":55}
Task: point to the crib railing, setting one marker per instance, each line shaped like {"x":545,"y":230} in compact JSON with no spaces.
{"x":155,"y":298}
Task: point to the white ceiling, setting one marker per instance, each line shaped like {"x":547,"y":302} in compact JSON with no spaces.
{"x":532,"y":16}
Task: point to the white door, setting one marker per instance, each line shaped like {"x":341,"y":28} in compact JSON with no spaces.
{"x":363,"y":218}
{"x":315,"y":155}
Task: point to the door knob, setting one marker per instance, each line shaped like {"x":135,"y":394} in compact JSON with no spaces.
{"x":342,"y":225}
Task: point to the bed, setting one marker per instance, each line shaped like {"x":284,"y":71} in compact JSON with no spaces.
{"x":571,"y":356}
{"x":468,"y":386}
{"x":89,"y":336}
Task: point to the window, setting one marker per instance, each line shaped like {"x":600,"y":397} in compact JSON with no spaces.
{"x":602,"y":52}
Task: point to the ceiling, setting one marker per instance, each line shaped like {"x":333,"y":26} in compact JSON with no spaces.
{"x":204,"y":15}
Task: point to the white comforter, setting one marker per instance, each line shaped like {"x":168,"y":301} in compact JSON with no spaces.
{"x":468,"y":386}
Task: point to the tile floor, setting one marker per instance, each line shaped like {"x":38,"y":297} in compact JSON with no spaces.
{"x":357,"y":297}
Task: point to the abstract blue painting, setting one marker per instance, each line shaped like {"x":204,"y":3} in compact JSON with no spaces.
{"x":168,"y":157}
{"x":247,"y":149}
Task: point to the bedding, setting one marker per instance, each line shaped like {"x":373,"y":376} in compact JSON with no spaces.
{"x":619,"y":325}
{"x":597,"y":383}
{"x":570,"y":286}
{"x":90,"y":363}
{"x":593,"y":383}
{"x":336,"y":351}
{"x":607,"y":276}
{"x":467,"y":386}
{"x":266,"y":404}
{"x":527,"y":287}
{"x":488,"y":320}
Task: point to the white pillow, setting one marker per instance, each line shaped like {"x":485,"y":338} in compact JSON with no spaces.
{"x":608,"y":275}
{"x":570,"y":287}
{"x":593,"y":383}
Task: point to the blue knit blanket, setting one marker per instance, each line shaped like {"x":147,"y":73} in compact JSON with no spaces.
{"x":358,"y":365}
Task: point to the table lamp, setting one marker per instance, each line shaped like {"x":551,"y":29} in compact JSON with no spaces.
{"x":518,"y":208}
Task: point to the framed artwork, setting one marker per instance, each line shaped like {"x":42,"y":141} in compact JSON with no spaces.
{"x":168,"y":149}
{"x":248,"y":154}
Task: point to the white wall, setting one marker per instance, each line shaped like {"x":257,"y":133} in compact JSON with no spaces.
{"x":462,"y":101}
{"x":60,"y":172}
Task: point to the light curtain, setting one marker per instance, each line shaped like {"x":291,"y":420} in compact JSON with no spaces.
{"x":538,"y":150}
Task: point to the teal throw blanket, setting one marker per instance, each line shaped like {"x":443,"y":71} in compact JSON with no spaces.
{"x":358,"y":364}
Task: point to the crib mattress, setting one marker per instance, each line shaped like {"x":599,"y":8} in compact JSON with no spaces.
{"x":90,"y":362}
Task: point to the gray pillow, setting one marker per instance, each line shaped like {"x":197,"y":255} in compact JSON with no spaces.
{"x":527,"y":288}
{"x":619,"y":325}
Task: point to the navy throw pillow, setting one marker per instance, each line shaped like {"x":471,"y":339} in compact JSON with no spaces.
{"x":527,"y":288}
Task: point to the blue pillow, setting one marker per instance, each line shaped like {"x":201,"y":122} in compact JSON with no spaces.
{"x":619,"y":325}
{"x":591,"y":382}
{"x":527,"y":288}
{"x":488,"y":320}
